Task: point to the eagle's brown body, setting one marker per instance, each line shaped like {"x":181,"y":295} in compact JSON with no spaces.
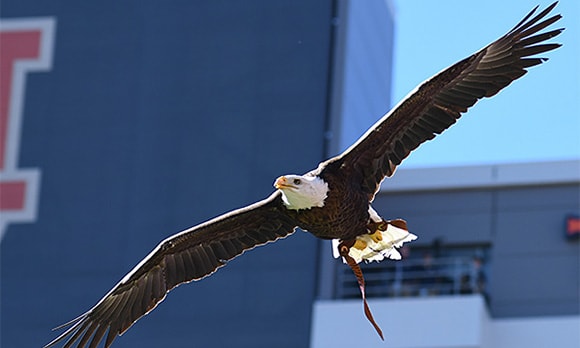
{"x":345,"y":211}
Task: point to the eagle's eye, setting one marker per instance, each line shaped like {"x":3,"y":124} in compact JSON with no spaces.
{"x":297,"y":181}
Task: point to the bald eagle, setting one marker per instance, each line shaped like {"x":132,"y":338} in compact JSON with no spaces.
{"x":333,"y":201}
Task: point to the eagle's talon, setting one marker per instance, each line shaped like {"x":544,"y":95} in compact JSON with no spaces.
{"x":360,"y":244}
{"x":377,"y":236}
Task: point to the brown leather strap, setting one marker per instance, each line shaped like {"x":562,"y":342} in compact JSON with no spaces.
{"x":343,"y":249}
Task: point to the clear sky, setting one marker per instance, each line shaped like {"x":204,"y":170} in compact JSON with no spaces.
{"x":536,"y":118}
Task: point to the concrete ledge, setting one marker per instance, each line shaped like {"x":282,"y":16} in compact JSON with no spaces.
{"x":439,"y":321}
{"x":446,"y":321}
{"x":484,"y":176}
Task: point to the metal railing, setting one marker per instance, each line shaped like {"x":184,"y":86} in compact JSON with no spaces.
{"x":414,"y":277}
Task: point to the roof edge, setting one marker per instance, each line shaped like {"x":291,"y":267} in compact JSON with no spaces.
{"x":484,"y":176}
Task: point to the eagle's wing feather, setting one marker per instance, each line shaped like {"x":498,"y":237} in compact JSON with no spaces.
{"x":189,"y":255}
{"x":437,"y":103}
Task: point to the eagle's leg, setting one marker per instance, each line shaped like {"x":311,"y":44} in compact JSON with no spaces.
{"x":376,"y":228}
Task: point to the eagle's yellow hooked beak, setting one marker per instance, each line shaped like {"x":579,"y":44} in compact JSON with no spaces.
{"x":281,"y":183}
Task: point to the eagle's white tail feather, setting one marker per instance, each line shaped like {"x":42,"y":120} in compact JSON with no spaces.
{"x":374,"y":250}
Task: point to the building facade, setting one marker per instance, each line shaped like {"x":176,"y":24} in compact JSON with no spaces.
{"x":123,"y":123}
{"x":126,"y":122}
{"x":503,"y":255}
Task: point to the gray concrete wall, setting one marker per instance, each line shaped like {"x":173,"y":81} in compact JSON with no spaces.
{"x":533,"y":268}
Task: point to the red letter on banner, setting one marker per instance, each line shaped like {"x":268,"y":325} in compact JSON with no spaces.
{"x":25,"y":46}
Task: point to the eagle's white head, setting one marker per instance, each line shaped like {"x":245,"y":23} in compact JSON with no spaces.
{"x":302,"y":192}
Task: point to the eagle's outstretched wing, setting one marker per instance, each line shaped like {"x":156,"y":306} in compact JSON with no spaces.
{"x":437,"y":103}
{"x":189,"y":255}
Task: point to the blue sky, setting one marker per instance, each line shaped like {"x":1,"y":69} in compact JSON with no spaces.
{"x":536,"y":118}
